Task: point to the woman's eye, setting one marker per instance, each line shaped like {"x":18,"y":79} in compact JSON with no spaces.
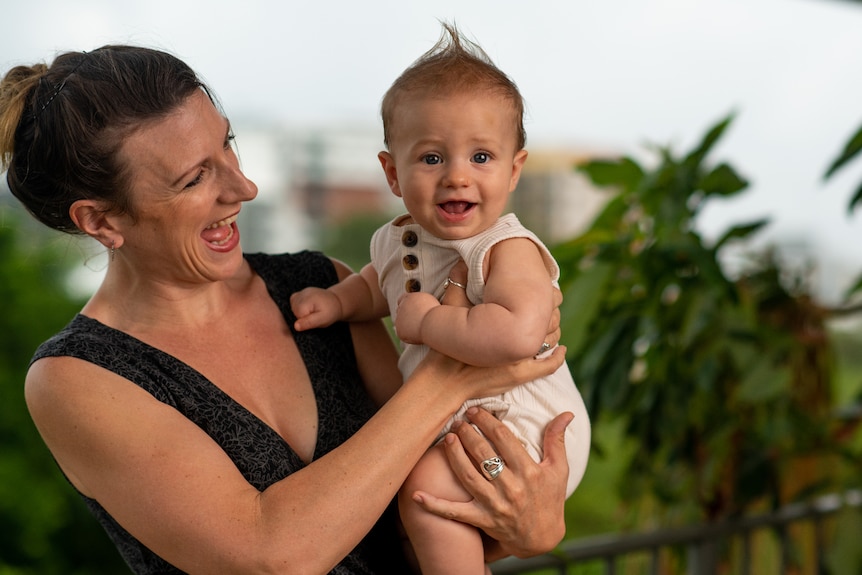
{"x":481,"y":157}
{"x":196,"y":181}
{"x":431,"y":159}
{"x":229,"y":140}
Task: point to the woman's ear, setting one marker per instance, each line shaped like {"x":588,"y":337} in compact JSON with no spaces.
{"x":95,"y":220}
{"x":388,"y":164}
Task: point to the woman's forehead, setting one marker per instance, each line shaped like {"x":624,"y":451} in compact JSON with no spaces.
{"x":169,"y":146}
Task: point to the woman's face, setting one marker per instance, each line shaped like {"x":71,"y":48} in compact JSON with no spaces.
{"x":186,"y":192}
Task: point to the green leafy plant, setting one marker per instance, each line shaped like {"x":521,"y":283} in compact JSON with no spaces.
{"x":852,"y":149}
{"x":723,"y":382}
{"x":47,"y":530}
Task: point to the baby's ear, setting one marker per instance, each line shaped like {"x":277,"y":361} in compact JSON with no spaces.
{"x":388,"y":164}
{"x":517,"y":166}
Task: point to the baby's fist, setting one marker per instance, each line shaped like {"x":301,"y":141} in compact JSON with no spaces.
{"x":412,"y":308}
{"x":315,"y":307}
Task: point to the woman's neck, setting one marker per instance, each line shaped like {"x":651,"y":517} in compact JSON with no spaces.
{"x":134,"y":304}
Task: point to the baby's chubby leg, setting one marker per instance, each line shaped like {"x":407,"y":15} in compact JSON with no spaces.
{"x":441,"y":545}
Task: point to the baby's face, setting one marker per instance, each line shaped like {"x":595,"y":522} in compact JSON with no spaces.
{"x":454,"y":161}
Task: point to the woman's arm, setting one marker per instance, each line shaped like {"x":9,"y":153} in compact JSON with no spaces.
{"x":509,"y":325}
{"x":377,"y":359}
{"x":169,"y":484}
{"x":376,"y":355}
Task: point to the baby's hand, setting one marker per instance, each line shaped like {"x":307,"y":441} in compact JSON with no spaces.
{"x":412,"y":308}
{"x":315,"y":307}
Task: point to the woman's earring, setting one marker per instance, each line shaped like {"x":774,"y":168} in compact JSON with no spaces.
{"x":112,"y":251}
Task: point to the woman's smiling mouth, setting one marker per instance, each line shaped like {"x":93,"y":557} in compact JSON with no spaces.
{"x":220,"y":232}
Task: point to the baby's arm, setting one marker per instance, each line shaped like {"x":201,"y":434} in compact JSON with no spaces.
{"x":511,"y":323}
{"x":355,"y":298}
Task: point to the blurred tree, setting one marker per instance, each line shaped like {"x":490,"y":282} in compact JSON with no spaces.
{"x":46,"y":529}
{"x":852,"y":149}
{"x":349,"y":240}
{"x":723,"y":383}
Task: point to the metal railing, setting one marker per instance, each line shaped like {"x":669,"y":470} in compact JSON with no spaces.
{"x":699,"y":544}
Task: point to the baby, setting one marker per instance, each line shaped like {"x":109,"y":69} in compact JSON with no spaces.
{"x":453,"y":130}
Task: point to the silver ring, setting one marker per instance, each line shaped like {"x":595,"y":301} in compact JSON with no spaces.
{"x":493,"y":467}
{"x":450,"y":281}
{"x":545,"y":347}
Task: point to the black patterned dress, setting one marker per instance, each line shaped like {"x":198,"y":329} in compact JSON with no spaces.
{"x":258,"y":451}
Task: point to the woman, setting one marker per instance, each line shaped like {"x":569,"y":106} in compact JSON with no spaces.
{"x":203,"y":433}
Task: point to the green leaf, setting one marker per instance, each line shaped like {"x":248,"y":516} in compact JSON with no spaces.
{"x":851,"y":149}
{"x":608,"y":220}
{"x":608,"y":351}
{"x":857,"y":198}
{"x":694,"y":158}
{"x":857,"y":287}
{"x":764,"y":382}
{"x":698,"y":317}
{"x":722,"y":181}
{"x":740,"y":232}
{"x":581,"y":303}
{"x":742,"y":351}
{"x":624,"y":173}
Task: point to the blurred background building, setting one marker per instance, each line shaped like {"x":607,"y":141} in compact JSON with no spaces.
{"x":310,"y":179}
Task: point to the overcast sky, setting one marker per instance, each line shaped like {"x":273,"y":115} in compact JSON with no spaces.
{"x":609,"y":74}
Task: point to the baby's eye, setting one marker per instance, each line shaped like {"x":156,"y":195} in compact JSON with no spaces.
{"x":431,"y":159}
{"x":481,"y":157}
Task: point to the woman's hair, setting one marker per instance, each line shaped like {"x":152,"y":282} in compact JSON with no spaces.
{"x":454,"y":64}
{"x":62,"y":126}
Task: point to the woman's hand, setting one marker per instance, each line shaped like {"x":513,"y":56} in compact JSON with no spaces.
{"x":523,"y":508}
{"x":468,"y":381}
{"x":554,"y":333}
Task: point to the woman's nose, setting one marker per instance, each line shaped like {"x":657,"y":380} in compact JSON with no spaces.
{"x":249,"y":188}
{"x":238,"y":186}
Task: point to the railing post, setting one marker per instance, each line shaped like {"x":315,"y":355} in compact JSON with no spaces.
{"x":786,"y":558}
{"x":746,"y":553}
{"x":701,"y":557}
{"x":820,"y":543}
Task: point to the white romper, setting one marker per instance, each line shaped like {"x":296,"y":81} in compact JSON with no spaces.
{"x":403,"y":254}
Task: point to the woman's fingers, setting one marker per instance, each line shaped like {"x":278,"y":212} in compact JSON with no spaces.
{"x":521,"y":508}
{"x":554,"y":442}
{"x":554,"y":333}
{"x":544,"y":366}
{"x":459,"y":272}
{"x":498,"y":441}
{"x":472,"y":512}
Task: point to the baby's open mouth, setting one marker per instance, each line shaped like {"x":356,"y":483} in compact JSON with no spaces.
{"x":456,"y":207}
